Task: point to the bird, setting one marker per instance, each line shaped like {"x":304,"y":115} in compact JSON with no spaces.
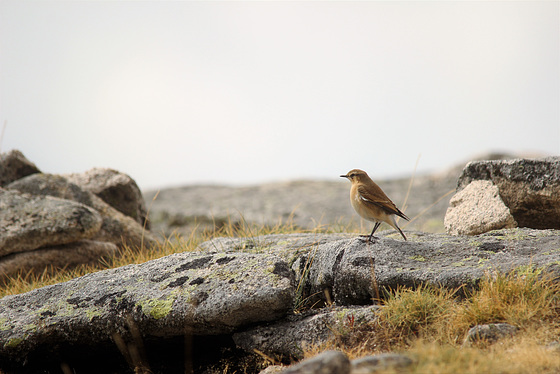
{"x":371,"y":203}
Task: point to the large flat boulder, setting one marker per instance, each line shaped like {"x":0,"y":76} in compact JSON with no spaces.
{"x":181,"y":294}
{"x":352,"y":272}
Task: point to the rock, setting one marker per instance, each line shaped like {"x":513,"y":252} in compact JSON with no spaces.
{"x":287,"y":339}
{"x":528,"y":187}
{"x":272,"y":369}
{"x":13,"y":166}
{"x":380,"y":362}
{"x":352,"y":272}
{"x":29,"y":222}
{"x":328,"y":362}
{"x":115,"y":188}
{"x":289,"y":247}
{"x":56,"y":257}
{"x":489,"y":333}
{"x":116,"y":227}
{"x":476,"y":209}
{"x":184,"y":293}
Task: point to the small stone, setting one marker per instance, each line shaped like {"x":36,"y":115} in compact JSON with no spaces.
{"x":384,"y":361}
{"x":328,"y":362}
{"x":489,"y":333}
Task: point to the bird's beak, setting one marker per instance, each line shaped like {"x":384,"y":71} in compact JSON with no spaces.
{"x":344,"y":176}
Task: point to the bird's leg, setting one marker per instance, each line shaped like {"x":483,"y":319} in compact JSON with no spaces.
{"x":370,"y":236}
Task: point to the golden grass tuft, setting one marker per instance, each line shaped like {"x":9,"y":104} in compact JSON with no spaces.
{"x":520,"y":297}
{"x":429,"y":324}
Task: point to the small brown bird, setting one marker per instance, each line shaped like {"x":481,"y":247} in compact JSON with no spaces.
{"x":371,"y":203}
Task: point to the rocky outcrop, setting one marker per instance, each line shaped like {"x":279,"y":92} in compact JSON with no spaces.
{"x":240,"y":293}
{"x":498,"y":194}
{"x":47,"y":221}
{"x":184,"y":293}
{"x":28,"y":222}
{"x":116,"y":227}
{"x":116,"y":189}
{"x":13,"y":166}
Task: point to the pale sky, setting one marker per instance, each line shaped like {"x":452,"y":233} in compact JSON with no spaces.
{"x":182,"y":92}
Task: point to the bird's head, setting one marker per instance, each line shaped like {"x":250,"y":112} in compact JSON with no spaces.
{"x":356,"y":175}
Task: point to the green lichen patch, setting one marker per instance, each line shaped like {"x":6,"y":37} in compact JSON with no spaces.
{"x":158,"y":308}
{"x":462,"y":262}
{"x":92,"y":313}
{"x":4,"y":326}
{"x":418,"y":258}
{"x":13,"y":342}
{"x":482,"y":262}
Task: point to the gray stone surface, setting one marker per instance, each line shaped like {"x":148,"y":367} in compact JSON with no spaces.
{"x":115,"y":188}
{"x":28,"y":222}
{"x":328,"y":362}
{"x":351,"y":271}
{"x":56,"y":257}
{"x":116,"y":227}
{"x":289,"y":338}
{"x":476,"y":209}
{"x":13,"y":166}
{"x":184,"y":293}
{"x":530,"y":188}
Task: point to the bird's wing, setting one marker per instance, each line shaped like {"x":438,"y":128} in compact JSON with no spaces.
{"x":376,"y":196}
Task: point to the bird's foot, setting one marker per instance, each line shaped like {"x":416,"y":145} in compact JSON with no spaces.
{"x":369,"y":238}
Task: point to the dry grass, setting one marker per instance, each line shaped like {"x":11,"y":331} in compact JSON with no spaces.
{"x":430,"y":324}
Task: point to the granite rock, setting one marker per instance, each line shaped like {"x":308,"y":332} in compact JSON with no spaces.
{"x":530,"y":188}
{"x":13,"y":166}
{"x":28,"y":222}
{"x":184,"y":293}
{"x":476,"y":209}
